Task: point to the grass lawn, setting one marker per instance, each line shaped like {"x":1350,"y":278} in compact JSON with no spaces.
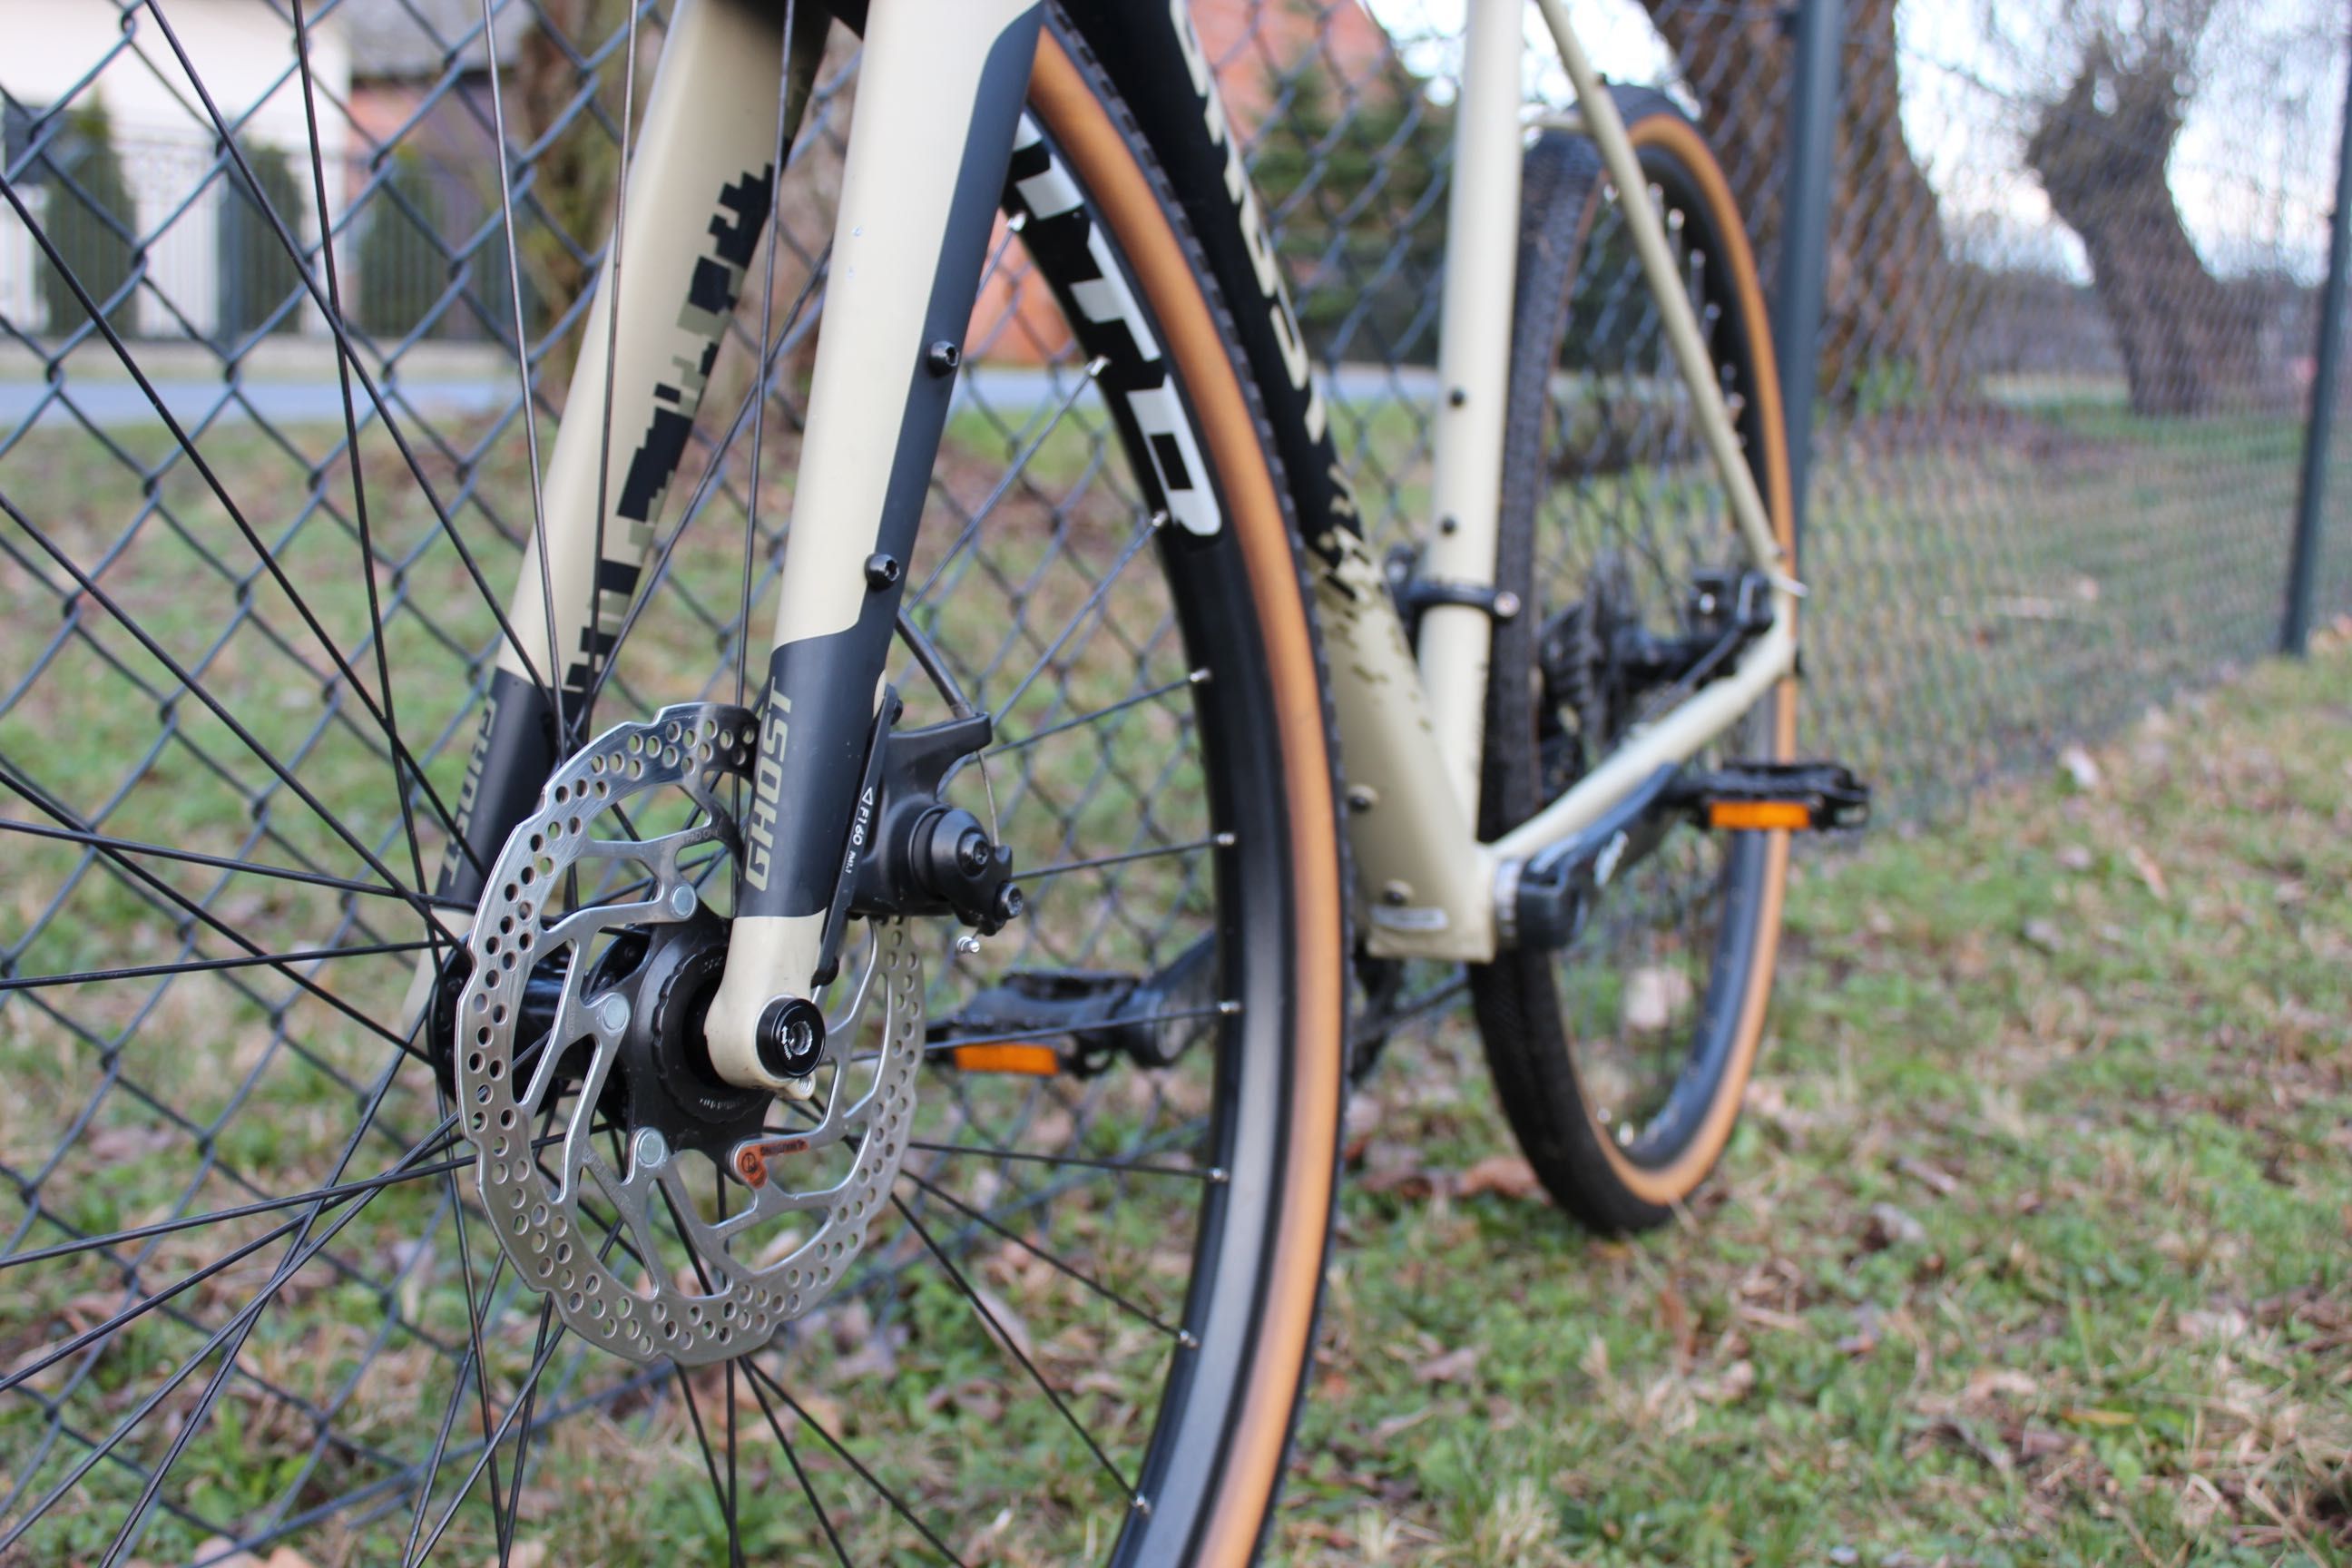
{"x":2033,"y":1246}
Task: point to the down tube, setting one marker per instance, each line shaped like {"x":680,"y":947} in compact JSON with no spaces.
{"x":699,"y":188}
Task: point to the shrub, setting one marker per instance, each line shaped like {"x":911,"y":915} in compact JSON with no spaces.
{"x":257,"y":275}
{"x":89,"y":219}
{"x":402,"y":268}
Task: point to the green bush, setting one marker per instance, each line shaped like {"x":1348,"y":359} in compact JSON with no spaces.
{"x":91,"y":212}
{"x":402,"y":269}
{"x":257,"y":275}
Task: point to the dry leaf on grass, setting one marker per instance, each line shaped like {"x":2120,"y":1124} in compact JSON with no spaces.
{"x":2079,"y":767}
{"x":1453,"y":1366}
{"x":1987,"y":1380}
{"x":1506,"y":1175}
{"x":1729,"y":1386}
{"x":1653,"y":997}
{"x":2150,"y":871}
{"x":1943,"y":1183}
{"x":1890,"y":1226}
{"x":1394,"y":1167}
{"x":1675,"y":1314}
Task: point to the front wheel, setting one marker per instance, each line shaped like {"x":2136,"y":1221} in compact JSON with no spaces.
{"x":1620,"y":1060}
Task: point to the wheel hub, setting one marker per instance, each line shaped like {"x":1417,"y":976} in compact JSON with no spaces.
{"x":584,"y":1083}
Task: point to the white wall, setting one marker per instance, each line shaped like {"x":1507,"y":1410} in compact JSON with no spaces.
{"x":243,"y":52}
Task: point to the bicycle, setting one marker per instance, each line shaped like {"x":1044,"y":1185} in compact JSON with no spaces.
{"x":773,"y":1040}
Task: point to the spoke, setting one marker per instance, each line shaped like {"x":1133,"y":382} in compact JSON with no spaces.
{"x":553,"y":685}
{"x":760,"y":398}
{"x":530,"y":1385}
{"x":1014,"y":1348}
{"x":791,"y":1458}
{"x":196,"y":965}
{"x":1013,"y":472}
{"x":1215,"y":841}
{"x":723,"y":1492}
{"x":342,"y":335}
{"x":450,"y":1422}
{"x":1196,"y":677}
{"x":897,"y":1506}
{"x":1093,"y":601}
{"x":1181,"y":1336}
{"x":147,"y":1304}
{"x":232,"y":1335}
{"x":351,"y":443}
{"x":476,"y":1305}
{"x":612,"y":286}
{"x":1213,"y":1173}
{"x":323,"y":1196}
{"x":708,"y":477}
{"x":179,"y":672}
{"x":133,"y":869}
{"x":550,"y":1330}
{"x":204,"y":469}
{"x":225,"y":863}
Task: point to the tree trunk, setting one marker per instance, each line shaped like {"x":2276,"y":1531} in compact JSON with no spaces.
{"x":2187,"y":344}
{"x":1892,"y":297}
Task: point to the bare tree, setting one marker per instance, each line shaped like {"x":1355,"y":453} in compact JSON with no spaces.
{"x":2100,"y":147}
{"x":1891,"y":283}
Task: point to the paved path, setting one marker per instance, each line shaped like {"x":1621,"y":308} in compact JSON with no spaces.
{"x":114,"y":403}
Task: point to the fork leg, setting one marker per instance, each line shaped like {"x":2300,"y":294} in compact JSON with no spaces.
{"x":940,"y":93}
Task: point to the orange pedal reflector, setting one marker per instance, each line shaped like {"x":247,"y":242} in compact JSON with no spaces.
{"x":1036,"y":1061}
{"x":1758,"y":814}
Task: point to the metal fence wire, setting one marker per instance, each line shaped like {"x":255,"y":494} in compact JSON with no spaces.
{"x":2070,"y":267}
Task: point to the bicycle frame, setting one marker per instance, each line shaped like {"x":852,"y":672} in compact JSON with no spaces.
{"x":940,"y":96}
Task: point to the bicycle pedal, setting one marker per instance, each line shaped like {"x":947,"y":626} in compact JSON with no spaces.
{"x":1757,"y":796}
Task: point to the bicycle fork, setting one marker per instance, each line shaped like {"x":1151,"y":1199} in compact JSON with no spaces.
{"x":940,"y":89}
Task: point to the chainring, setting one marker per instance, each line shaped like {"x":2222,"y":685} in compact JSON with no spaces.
{"x":540,"y":1156}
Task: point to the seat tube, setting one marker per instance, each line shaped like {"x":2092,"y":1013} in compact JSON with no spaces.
{"x":1474,"y":365}
{"x":940,"y":93}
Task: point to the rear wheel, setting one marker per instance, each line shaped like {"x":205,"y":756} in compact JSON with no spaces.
{"x":1622,"y":1059}
{"x":251,"y":1295}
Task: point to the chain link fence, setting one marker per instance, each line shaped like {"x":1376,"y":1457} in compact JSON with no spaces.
{"x":2073,"y":269}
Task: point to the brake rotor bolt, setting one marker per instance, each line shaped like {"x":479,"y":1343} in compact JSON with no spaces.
{"x":614,"y":1011}
{"x":683,"y":900}
{"x":652,"y":1150}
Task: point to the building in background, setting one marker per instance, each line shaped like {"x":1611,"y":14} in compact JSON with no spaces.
{"x":79,"y":75}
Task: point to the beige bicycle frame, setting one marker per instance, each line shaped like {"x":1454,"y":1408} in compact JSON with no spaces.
{"x":1431,"y":890}
{"x":1409,"y":731}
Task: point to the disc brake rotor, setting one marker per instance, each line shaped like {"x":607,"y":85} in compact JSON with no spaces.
{"x":541,"y":1156}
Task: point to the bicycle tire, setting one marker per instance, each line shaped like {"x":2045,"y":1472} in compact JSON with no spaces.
{"x":1566,"y":1034}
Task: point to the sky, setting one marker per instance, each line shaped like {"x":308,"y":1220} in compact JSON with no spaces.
{"x":2253,"y":172}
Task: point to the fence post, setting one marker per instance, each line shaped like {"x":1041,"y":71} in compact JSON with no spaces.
{"x":1805,"y":193}
{"x":2303,"y":561}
